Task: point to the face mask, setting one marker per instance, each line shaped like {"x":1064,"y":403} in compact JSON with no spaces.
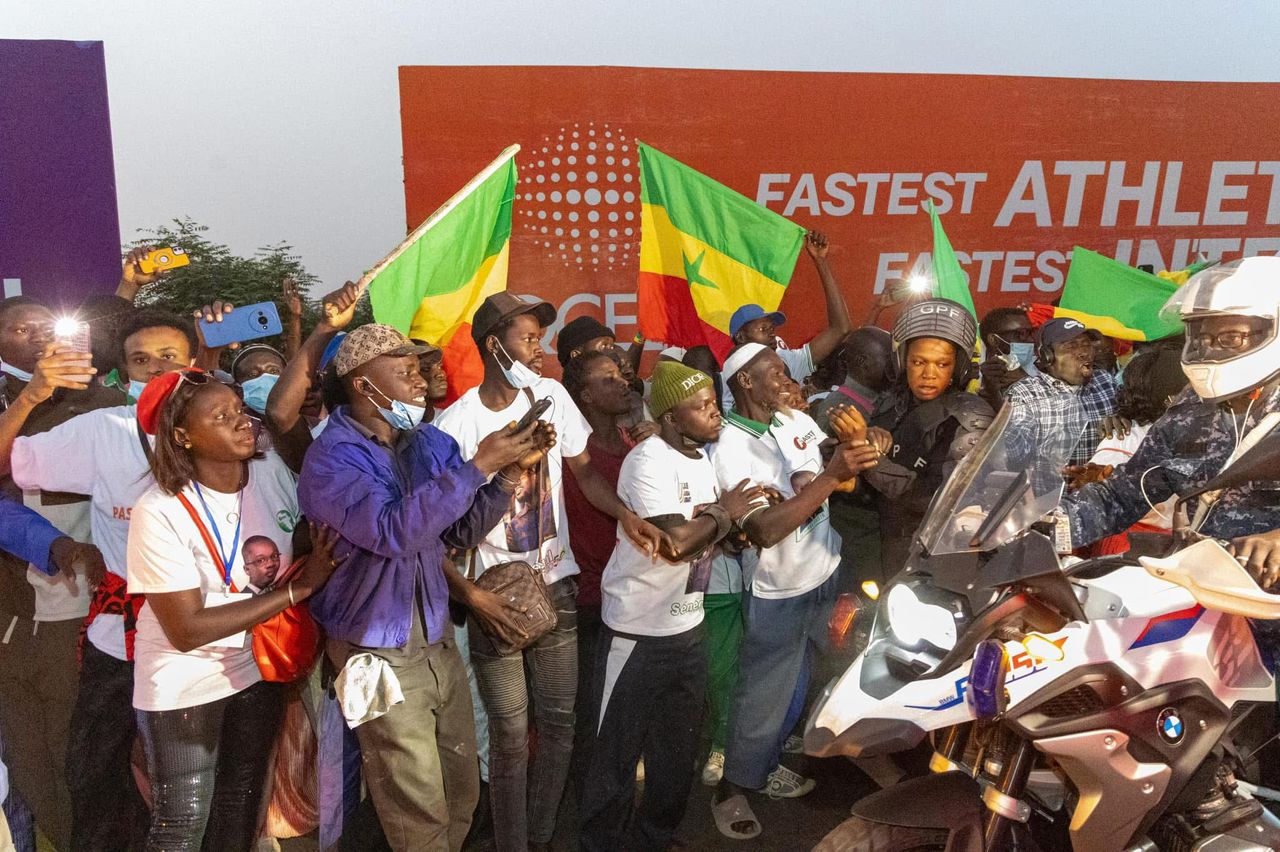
{"x":20,"y":375}
{"x":257,"y":389}
{"x":401,"y":415}
{"x":135,"y":389}
{"x":1025,"y":355}
{"x":518,"y":375}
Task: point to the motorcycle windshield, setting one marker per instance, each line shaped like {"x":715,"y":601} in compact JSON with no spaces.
{"x":1012,"y":479}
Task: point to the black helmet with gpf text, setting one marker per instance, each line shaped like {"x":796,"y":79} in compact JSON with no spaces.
{"x":940,"y":318}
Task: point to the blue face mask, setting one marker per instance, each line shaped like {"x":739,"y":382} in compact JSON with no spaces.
{"x":257,"y":389}
{"x":401,"y":415}
{"x":1025,"y":353}
{"x":20,"y":375}
{"x":135,"y":389}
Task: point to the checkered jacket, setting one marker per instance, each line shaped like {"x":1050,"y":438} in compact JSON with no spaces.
{"x":1046,"y":410}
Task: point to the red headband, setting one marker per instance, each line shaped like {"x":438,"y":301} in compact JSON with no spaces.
{"x":154,"y":396}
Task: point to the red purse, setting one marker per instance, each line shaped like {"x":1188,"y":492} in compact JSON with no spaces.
{"x":286,"y":645}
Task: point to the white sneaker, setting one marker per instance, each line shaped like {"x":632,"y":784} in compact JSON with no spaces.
{"x":785,"y":784}
{"x":793,"y":745}
{"x":713,"y":770}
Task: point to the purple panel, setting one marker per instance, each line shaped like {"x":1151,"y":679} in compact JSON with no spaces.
{"x":59,"y":228}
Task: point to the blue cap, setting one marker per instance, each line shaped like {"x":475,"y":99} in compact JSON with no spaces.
{"x":331,"y":350}
{"x":748,"y":313}
{"x":1062,"y":329}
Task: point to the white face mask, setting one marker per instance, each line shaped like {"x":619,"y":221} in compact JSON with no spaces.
{"x":518,"y":375}
{"x":135,"y":389}
{"x":20,"y":375}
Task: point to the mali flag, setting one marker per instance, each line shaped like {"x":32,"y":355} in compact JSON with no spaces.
{"x":1116,"y":299}
{"x":431,"y":285}
{"x":705,"y":251}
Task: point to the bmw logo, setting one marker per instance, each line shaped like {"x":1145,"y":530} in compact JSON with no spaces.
{"x":1170,"y":726}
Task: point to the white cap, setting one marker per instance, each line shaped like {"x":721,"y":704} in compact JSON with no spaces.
{"x":740,"y":357}
{"x":675,"y":353}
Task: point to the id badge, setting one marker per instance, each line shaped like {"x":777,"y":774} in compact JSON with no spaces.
{"x":238,"y":641}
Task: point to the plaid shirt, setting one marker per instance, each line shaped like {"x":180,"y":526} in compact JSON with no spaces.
{"x":1047,"y":412}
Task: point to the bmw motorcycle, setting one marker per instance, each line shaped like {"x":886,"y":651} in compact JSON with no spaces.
{"x":1100,"y":703}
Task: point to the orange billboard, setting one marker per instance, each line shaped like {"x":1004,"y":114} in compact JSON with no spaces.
{"x":1021,"y":168}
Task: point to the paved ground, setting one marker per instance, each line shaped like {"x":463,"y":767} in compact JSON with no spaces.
{"x":789,"y":824}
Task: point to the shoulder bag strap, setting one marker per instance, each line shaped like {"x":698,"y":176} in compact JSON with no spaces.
{"x":146,"y":450}
{"x":204,"y":532}
{"x":538,"y":498}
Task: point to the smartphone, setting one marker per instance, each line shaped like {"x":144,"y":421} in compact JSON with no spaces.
{"x":74,"y":335}
{"x":535,"y":413}
{"x":163,"y":258}
{"x":248,"y":323}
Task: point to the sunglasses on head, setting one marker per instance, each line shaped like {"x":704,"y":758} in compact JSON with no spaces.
{"x":193,"y":377}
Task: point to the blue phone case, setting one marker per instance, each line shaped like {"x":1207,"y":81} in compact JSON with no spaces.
{"x":248,"y":323}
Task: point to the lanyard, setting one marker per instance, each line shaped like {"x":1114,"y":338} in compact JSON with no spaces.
{"x":227,"y":561}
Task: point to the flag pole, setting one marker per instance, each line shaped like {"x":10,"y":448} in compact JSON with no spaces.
{"x":442,"y":211}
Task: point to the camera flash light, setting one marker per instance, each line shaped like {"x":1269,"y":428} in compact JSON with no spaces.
{"x":65,"y":327}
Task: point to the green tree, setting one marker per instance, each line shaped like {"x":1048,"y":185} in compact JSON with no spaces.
{"x":217,"y":273}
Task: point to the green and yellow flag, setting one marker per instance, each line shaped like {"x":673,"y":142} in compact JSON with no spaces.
{"x":1117,"y":300}
{"x":705,"y":251}
{"x":431,"y":285}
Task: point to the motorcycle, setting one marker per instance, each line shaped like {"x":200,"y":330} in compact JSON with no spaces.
{"x":1108,"y":695}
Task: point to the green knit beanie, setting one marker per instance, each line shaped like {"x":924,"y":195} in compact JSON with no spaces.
{"x":672,"y":384}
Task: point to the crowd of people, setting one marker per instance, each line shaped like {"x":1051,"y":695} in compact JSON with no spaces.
{"x":669,"y":545}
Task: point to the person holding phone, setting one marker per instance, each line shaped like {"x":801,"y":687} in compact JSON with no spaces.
{"x":41,"y":614}
{"x":508,"y":331}
{"x":398,"y":493}
{"x":51,"y":442}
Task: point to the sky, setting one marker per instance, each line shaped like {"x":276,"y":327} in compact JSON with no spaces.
{"x":279,"y":121}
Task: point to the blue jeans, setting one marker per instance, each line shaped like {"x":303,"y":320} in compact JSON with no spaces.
{"x":524,"y":803}
{"x":777,"y":637}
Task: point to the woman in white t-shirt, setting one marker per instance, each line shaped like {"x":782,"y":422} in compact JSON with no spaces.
{"x":204,"y":712}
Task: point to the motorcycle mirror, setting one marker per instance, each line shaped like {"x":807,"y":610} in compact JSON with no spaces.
{"x":1260,"y":462}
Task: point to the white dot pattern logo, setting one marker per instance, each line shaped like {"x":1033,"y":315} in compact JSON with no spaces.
{"x":578,"y":197}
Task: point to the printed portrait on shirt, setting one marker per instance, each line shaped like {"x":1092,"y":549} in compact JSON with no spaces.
{"x":261,"y":558}
{"x":531,"y":518}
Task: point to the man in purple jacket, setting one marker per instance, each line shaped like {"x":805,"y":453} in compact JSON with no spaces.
{"x":398,"y":492}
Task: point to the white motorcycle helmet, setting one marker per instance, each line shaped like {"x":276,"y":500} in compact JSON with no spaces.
{"x":1248,"y":288}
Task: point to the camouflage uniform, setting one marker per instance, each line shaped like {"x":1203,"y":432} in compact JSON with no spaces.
{"x":1187,"y":447}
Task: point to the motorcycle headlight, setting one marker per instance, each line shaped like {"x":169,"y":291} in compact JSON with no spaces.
{"x":913,"y":621}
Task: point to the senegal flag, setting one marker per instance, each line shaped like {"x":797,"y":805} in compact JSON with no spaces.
{"x":1117,"y":300}
{"x":705,"y":251}
{"x":431,"y":285}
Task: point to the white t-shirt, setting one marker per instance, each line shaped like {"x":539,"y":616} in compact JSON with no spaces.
{"x":60,"y":598}
{"x":799,"y":364}
{"x":783,"y":453}
{"x":517,"y":537}
{"x":96,"y":453}
{"x":650,"y":597}
{"x":168,"y":554}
